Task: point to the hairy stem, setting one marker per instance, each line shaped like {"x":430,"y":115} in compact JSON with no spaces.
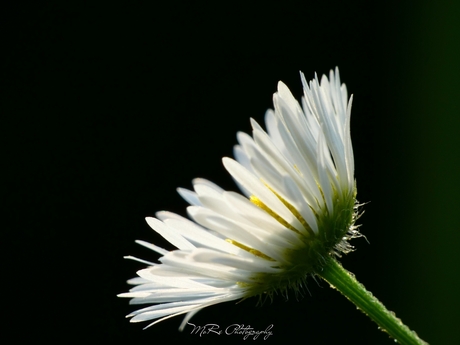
{"x":346,"y":283}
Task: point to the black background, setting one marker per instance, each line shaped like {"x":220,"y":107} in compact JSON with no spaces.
{"x":108,"y":108}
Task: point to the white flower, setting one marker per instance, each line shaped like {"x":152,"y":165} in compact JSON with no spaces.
{"x":299,"y":208}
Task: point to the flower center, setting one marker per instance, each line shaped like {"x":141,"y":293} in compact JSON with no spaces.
{"x":309,"y":254}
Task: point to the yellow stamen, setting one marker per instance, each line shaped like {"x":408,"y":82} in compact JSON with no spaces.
{"x":294,"y":212}
{"x":249,"y":249}
{"x":256,"y":201}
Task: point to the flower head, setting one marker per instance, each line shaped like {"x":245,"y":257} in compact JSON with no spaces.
{"x":299,"y":208}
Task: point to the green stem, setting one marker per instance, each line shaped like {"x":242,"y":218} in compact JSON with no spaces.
{"x":346,"y":283}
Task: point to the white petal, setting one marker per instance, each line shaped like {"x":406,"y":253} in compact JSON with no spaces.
{"x":258,"y":217}
{"x":169,"y":234}
{"x":189,"y":196}
{"x":323,"y":178}
{"x":148,"y":274}
{"x":204,"y":182}
{"x":153,"y":247}
{"x":257,"y":188}
{"x":235,"y":231}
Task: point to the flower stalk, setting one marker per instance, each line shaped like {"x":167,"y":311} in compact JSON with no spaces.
{"x":342,"y":280}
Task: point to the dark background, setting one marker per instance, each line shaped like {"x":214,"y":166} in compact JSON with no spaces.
{"x":107,"y":108}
